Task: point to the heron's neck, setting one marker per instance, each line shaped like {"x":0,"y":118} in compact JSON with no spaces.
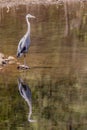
{"x":30,"y":110}
{"x":28,"y":23}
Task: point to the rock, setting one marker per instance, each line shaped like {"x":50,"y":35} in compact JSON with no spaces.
{"x":23,"y":67}
{"x":11,"y":62}
{"x":11,"y":58}
{"x":2,"y":56}
{"x":8,"y":60}
{"x":2,"y":62}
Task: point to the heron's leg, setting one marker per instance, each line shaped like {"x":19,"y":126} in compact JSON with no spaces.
{"x":25,"y":59}
{"x":25,"y":66}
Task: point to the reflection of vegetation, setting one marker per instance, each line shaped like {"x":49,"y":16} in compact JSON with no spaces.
{"x":64,"y":94}
{"x":55,"y":104}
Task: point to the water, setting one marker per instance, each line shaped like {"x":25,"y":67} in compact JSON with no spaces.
{"x":58,"y":74}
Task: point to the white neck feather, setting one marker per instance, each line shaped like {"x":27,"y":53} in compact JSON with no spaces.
{"x":28,"y":23}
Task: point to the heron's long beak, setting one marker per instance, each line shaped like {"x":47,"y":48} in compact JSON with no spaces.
{"x":33,"y":16}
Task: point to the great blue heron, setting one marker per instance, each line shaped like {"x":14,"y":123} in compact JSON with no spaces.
{"x":24,"y":43}
{"x":26,"y":94}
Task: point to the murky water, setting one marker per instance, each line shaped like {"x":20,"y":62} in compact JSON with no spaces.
{"x":58,"y":75}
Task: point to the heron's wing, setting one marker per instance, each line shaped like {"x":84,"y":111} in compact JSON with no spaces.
{"x":21,"y":45}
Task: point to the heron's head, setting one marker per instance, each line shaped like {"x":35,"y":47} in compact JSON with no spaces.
{"x":30,"y":16}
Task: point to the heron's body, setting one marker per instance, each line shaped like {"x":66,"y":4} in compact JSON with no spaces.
{"x":24,"y":43}
{"x":26,"y":94}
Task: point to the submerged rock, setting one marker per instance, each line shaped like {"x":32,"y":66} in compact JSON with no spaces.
{"x":23,"y":67}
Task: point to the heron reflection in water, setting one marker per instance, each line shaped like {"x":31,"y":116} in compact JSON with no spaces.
{"x":24,"y":43}
{"x":26,"y":94}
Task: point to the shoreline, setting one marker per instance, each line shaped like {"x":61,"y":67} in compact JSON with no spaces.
{"x":9,"y":3}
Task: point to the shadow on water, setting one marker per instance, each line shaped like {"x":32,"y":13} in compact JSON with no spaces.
{"x":58,"y":75}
